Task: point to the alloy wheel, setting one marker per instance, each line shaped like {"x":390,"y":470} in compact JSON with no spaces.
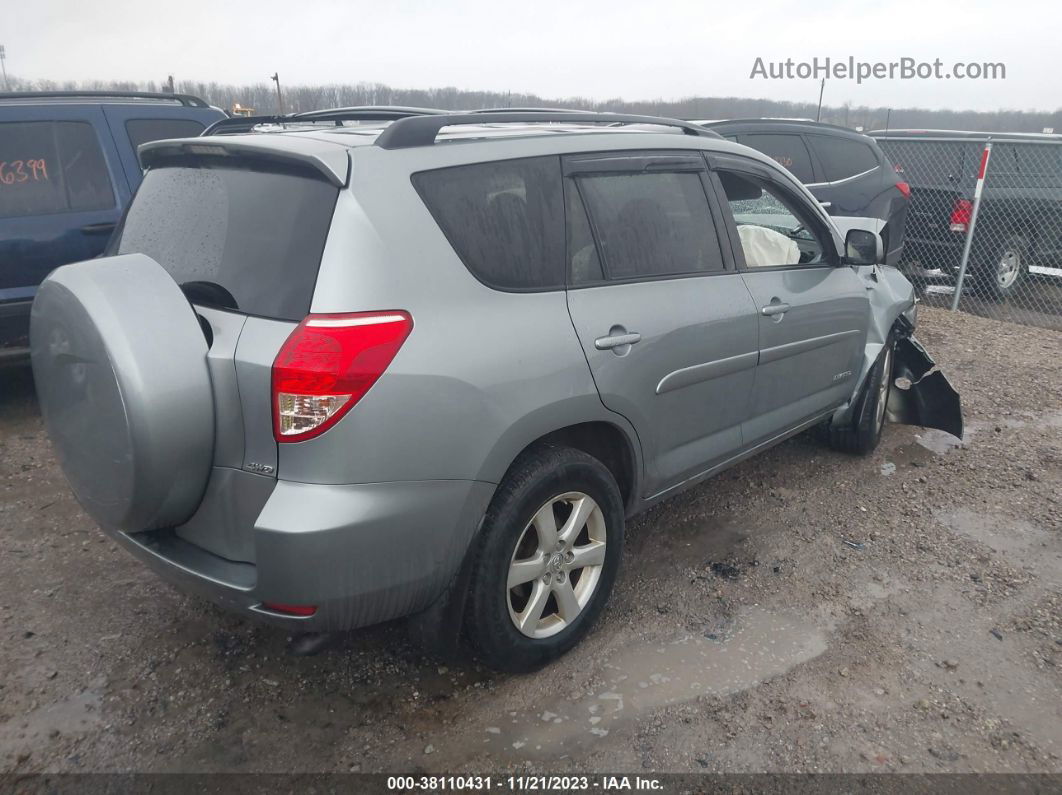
{"x":557,"y":564}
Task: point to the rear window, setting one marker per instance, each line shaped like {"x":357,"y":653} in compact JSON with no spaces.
{"x":842,"y":157}
{"x":236,"y":235}
{"x":504,"y":219}
{"x":141,"y":131}
{"x":52,"y":167}
{"x":787,"y":150}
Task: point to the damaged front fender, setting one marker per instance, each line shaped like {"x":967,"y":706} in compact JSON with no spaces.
{"x":921,"y":394}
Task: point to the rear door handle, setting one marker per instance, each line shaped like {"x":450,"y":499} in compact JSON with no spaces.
{"x":98,"y":229}
{"x":617,"y":340}
{"x":774,"y":309}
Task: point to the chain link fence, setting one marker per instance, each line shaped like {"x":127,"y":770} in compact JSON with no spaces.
{"x":990,"y":246}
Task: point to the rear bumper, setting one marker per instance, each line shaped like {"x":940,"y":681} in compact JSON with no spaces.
{"x":360,"y":554}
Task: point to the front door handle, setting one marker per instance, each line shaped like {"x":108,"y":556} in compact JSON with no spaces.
{"x":774,"y":309}
{"x":617,"y":340}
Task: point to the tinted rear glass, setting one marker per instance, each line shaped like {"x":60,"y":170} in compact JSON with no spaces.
{"x":504,"y":219}
{"x":141,"y":131}
{"x":52,"y":167}
{"x":788,"y":150}
{"x":842,"y":157}
{"x":245,"y":238}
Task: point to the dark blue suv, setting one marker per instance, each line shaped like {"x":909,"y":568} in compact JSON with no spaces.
{"x":68,"y":166}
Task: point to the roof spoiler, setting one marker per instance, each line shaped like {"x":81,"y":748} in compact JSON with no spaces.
{"x":422,"y":130}
{"x":330,"y":160}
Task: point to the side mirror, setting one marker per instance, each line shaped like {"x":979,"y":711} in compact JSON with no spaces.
{"x":863,"y":247}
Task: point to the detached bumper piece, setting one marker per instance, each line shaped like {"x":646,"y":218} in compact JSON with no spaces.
{"x":923,"y":395}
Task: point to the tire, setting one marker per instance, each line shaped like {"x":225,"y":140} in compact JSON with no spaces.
{"x":1004,"y":272}
{"x":862,"y":434}
{"x":516,"y":542}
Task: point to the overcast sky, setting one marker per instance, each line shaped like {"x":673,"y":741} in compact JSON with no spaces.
{"x":555,"y":48}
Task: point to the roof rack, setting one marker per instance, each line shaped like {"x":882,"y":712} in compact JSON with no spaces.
{"x":185,"y":99}
{"x":242,"y":124}
{"x":422,"y":130}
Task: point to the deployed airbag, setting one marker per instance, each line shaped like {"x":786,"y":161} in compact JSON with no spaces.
{"x":764,"y":247}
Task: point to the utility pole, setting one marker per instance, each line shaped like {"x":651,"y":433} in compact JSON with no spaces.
{"x":888,"y":115}
{"x":822,"y":87}
{"x":280,"y":100}
{"x":3,"y":65}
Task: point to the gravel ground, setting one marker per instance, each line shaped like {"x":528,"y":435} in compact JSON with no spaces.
{"x":804,"y":611}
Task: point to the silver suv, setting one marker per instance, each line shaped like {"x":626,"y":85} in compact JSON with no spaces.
{"x":337,"y":370}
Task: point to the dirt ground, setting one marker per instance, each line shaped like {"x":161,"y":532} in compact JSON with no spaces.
{"x":804,"y":611}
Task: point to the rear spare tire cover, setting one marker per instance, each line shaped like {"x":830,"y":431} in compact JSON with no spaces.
{"x":119,"y":361}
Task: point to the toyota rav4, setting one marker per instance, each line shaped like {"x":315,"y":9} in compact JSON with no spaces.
{"x":373,"y":364}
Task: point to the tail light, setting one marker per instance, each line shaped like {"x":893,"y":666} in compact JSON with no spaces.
{"x":904,"y":188}
{"x":960,"y":215}
{"x":327,"y":365}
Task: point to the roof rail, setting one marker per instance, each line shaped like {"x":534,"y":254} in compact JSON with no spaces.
{"x":422,"y":130}
{"x":367,"y":113}
{"x":528,"y":110}
{"x":185,"y":99}
{"x":776,"y":119}
{"x":242,"y":124}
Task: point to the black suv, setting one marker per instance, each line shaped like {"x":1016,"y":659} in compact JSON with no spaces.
{"x":845,"y":170}
{"x":68,"y":167}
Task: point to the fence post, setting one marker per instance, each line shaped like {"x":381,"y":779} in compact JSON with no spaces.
{"x":978,"y":189}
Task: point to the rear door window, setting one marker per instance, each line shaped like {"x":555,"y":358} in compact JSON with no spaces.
{"x":141,"y":131}
{"x":842,"y":158}
{"x":238,"y":235}
{"x":584,"y":263}
{"x":650,"y":225}
{"x":505,"y":219}
{"x":52,"y":167}
{"x":788,"y":151}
